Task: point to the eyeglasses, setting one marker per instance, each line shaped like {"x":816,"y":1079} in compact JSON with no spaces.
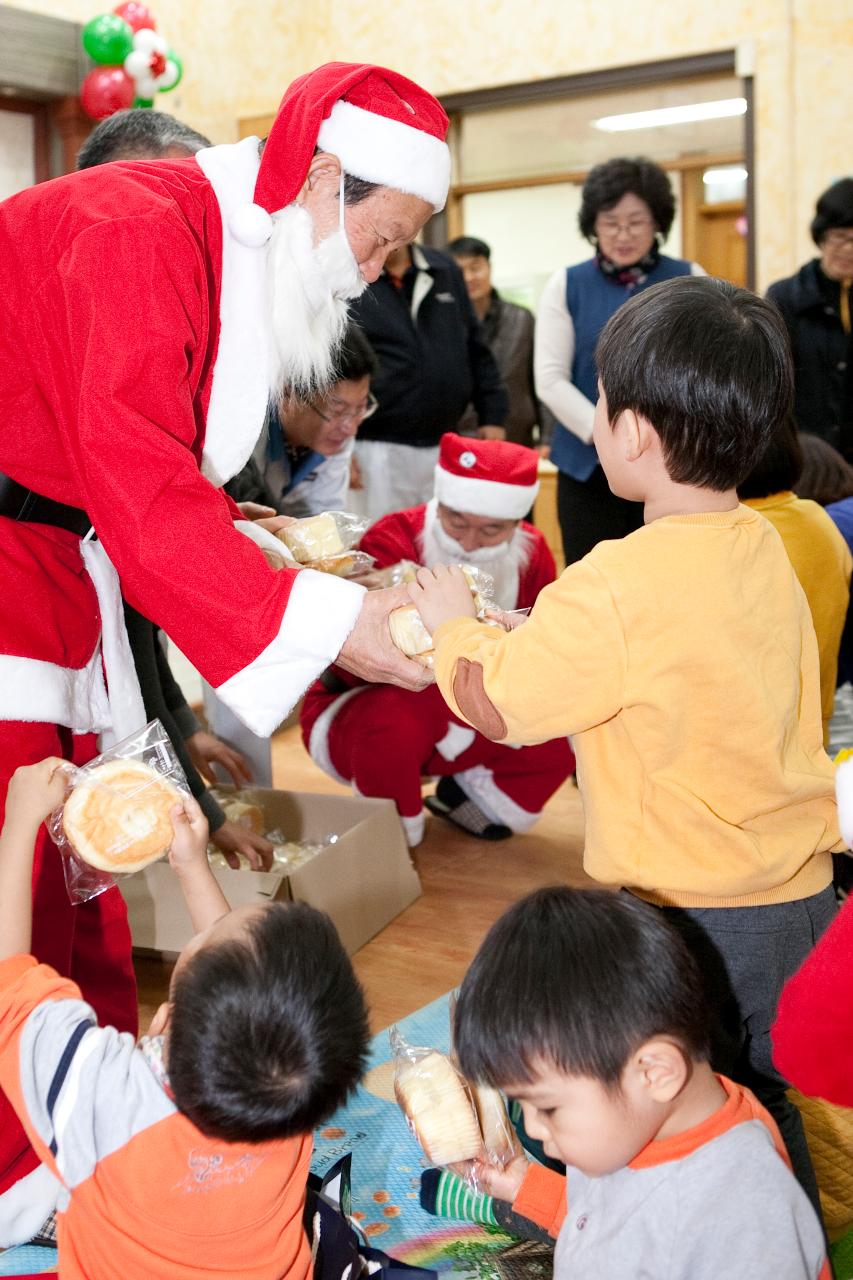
{"x":340,"y":412}
{"x":610,"y":227}
{"x":836,"y":239}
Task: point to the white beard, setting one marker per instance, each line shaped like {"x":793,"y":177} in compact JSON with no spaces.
{"x":504,"y":562}
{"x":308,"y":288}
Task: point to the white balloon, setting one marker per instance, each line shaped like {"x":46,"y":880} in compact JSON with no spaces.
{"x":169,"y":76}
{"x":149,"y":41}
{"x":146,"y":87}
{"x":137,"y":64}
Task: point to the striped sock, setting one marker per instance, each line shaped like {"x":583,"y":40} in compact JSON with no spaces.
{"x":445,"y":1195}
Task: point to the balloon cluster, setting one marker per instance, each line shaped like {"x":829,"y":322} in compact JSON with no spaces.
{"x":134,"y":62}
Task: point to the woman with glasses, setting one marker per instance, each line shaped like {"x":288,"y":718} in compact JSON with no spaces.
{"x":816,"y":305}
{"x":301,"y":465}
{"x":627,"y":208}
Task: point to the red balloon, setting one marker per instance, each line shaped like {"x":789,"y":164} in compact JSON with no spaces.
{"x":106,"y":90}
{"x":136,"y":15}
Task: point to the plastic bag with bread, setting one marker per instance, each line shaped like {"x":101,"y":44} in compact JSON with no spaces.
{"x":325,"y":542}
{"x":116,"y":818}
{"x":407,"y":628}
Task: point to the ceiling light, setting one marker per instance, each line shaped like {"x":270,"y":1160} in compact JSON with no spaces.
{"x":713,"y":177}
{"x":662,"y":116}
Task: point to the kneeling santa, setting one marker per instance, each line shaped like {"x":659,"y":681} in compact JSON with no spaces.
{"x":385,"y":740}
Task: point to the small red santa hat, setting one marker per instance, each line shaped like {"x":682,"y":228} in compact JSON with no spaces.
{"x":382,"y":127}
{"x":491,"y":478}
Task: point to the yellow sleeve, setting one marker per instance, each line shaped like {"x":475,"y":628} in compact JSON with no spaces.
{"x":561,"y":672}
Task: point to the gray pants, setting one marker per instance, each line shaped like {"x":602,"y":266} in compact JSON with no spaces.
{"x":745,"y":955}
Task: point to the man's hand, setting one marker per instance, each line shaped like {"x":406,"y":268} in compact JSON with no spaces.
{"x":233,"y":840}
{"x":35,"y":790}
{"x":491,"y":433}
{"x":255,"y":511}
{"x":207,"y":750}
{"x":190,"y":835}
{"x":440,"y":594}
{"x":369,"y":651}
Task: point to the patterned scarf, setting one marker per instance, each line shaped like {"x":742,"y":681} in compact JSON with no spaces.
{"x":630,"y":276}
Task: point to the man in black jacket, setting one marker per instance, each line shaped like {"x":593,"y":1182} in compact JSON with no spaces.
{"x":816,"y":307}
{"x":433,"y":361}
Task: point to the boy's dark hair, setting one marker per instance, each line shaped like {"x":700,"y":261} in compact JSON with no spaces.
{"x":834,"y":209}
{"x":267,"y":1036}
{"x":580,"y":978}
{"x":709,"y":365}
{"x":826,"y":476}
{"x":778,"y":468}
{"x":137,"y":134}
{"x":355,"y":358}
{"x":607,"y":183}
{"x":469,"y":247}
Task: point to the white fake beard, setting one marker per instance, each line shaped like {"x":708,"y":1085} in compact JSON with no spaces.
{"x":308,"y":290}
{"x":504,"y":562}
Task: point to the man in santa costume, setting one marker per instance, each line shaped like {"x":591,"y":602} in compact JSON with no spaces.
{"x":148,"y":312}
{"x":385,"y":740}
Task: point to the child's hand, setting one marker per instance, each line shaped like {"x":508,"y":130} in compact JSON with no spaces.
{"x":35,"y":790}
{"x":189,"y":843}
{"x":503,"y":1184}
{"x":440,"y":594}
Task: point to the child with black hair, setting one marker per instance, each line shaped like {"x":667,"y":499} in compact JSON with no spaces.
{"x":682,"y":660}
{"x":188,"y":1155}
{"x":587,"y":1007}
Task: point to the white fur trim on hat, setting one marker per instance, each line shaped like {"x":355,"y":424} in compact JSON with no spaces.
{"x":376,"y":149}
{"x":489,"y":498}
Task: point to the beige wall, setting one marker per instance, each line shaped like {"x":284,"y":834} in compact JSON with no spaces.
{"x":802,"y":58}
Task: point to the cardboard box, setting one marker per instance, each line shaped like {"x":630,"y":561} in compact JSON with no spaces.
{"x":363,"y":880}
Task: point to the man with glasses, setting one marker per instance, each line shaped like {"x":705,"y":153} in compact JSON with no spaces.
{"x":301,"y":465}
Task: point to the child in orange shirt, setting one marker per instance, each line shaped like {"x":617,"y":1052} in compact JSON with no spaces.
{"x":186,"y":1156}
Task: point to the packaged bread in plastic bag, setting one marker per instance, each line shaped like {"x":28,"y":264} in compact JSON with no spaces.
{"x":407,"y":628}
{"x":435,"y":1100}
{"x":116,"y":818}
{"x":322,"y":537}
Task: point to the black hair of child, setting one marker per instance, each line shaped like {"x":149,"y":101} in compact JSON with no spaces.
{"x":779,"y":467}
{"x":268,"y":1036}
{"x":580,"y":979}
{"x":709,"y":366}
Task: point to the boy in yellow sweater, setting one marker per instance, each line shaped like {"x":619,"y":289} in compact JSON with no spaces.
{"x":682,"y":660}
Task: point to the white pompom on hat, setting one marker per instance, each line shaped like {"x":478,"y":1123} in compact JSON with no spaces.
{"x":491,"y":478}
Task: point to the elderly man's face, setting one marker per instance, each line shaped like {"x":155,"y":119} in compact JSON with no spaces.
{"x":473,"y":532}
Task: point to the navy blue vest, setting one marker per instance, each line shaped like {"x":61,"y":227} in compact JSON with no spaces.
{"x":591,"y":299}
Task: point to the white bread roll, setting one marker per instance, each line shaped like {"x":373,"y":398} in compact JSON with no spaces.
{"x":408,"y":631}
{"x":313,"y":538}
{"x":433,"y":1096}
{"x":498,"y":1134}
{"x":118,"y":817}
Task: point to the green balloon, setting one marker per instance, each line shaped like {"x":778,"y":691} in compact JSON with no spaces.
{"x":171,"y":56}
{"x":143,"y":102}
{"x":108,"y":39}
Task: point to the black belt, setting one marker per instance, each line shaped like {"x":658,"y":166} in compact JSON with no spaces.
{"x":19,"y":503}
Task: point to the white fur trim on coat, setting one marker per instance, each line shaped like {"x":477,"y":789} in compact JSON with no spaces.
{"x":318,"y":742}
{"x":479,"y":785}
{"x":487,"y":498}
{"x":376,"y":149}
{"x":320,"y":614}
{"x":240,"y":391}
{"x":45,"y":693}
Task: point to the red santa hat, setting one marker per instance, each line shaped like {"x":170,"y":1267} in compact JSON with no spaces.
{"x":382,"y":127}
{"x":491,"y":478}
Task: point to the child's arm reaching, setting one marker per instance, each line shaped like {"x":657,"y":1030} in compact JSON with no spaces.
{"x":34,"y":791}
{"x":205,"y":901}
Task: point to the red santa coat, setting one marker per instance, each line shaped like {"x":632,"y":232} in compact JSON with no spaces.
{"x":134,"y":381}
{"x":383,"y":739}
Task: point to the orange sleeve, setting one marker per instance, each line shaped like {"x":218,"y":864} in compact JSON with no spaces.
{"x":542,"y":1198}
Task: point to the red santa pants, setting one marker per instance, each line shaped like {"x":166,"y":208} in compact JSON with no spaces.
{"x":90,"y":942}
{"x":385,"y":740}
